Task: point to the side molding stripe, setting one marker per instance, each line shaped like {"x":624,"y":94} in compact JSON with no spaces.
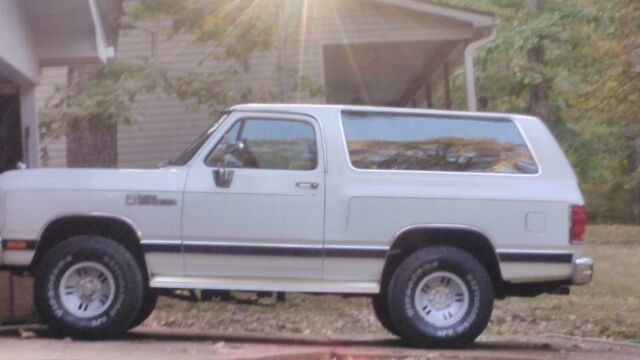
{"x":170,"y":246}
{"x":356,"y":252}
{"x":194,"y":248}
{"x":535,"y":257}
{"x":161,"y":246}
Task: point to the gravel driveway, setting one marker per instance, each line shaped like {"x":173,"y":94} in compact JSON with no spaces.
{"x":38,"y":344}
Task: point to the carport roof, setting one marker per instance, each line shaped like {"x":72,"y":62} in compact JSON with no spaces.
{"x":474,"y":17}
{"x":37,"y":33}
{"x":68,"y":31}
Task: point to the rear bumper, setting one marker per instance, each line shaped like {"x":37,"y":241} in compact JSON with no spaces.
{"x":582,"y":272}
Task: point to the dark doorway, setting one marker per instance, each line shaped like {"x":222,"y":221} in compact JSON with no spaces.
{"x":385,"y":73}
{"x":10,"y":134}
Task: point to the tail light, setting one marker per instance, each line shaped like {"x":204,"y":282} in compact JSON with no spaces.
{"x":578,"y":223}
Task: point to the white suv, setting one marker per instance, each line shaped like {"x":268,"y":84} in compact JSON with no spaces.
{"x":432,"y":214}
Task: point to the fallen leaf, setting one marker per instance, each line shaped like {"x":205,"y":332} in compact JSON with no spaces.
{"x":26,"y":334}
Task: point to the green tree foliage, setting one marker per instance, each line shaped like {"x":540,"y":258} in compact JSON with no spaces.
{"x":234,"y":30}
{"x":107,"y":99}
{"x":574,"y":63}
{"x":591,"y":70}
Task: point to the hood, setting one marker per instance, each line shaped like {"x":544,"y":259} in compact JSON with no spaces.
{"x":166,"y":179}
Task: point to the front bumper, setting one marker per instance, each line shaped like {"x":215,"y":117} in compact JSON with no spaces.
{"x":582,"y":271}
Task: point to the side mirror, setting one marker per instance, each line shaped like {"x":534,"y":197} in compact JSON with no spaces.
{"x":223,"y":177}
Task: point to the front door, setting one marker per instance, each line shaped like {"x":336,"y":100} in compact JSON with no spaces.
{"x":254,"y":201}
{"x":10,"y":134}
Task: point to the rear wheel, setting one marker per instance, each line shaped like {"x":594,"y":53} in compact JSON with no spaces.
{"x":440,"y":296}
{"x":88,"y":287}
{"x":148,"y":305}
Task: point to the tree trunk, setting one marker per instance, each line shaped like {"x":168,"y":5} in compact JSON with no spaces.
{"x":94,"y":142}
{"x":539,"y":92}
{"x":535,"y":5}
{"x":90,"y":142}
{"x":633,"y":168}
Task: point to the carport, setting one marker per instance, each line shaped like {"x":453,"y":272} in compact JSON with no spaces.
{"x":34,"y":34}
{"x":408,"y":69}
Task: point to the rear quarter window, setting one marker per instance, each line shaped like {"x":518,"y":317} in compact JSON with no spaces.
{"x":409,"y":142}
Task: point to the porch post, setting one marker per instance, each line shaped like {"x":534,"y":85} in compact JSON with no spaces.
{"x":428,"y":94}
{"x":472,"y":101}
{"x":447,"y":86}
{"x":29,"y":118}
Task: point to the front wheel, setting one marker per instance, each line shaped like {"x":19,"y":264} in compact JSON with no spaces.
{"x":381,"y":309}
{"x":440,"y":296}
{"x":88,"y":287}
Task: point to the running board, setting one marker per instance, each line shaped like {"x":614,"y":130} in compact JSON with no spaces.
{"x":257,"y":284}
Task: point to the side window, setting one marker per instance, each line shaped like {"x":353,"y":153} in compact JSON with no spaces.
{"x":267,"y":144}
{"x":421,"y":143}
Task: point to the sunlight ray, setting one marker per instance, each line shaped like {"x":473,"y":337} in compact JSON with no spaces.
{"x":246,"y":13}
{"x":303,"y":40}
{"x":350,"y":54}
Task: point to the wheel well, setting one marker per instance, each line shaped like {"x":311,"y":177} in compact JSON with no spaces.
{"x":471,"y":241}
{"x":65,"y":228}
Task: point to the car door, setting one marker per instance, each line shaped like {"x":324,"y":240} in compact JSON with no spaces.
{"x":254,"y":200}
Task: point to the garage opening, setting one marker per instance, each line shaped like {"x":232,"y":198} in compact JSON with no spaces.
{"x":388,"y":73}
{"x":10,"y":134}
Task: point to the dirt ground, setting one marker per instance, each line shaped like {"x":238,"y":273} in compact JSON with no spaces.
{"x":609,"y":308}
{"x":154,"y":344}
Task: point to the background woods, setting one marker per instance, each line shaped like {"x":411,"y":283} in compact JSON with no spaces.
{"x":575,"y":64}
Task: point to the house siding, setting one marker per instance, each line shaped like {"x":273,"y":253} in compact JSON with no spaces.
{"x":52,"y":78}
{"x":165,"y":126}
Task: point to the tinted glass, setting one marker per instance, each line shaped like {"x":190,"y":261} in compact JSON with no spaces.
{"x":267,"y":144}
{"x":413,"y":142}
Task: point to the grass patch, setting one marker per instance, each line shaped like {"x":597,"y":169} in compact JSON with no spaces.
{"x":609,"y":307}
{"x":613,"y":235}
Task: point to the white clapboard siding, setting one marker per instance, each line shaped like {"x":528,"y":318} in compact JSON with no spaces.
{"x":165,"y":126}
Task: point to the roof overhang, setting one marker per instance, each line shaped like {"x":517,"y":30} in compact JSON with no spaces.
{"x":392,"y":72}
{"x":477,"y":19}
{"x":68,"y":31}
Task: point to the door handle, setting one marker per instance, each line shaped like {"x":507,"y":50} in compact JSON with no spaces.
{"x":308,"y":185}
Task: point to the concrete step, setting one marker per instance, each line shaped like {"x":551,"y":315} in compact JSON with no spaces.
{"x":16,"y":299}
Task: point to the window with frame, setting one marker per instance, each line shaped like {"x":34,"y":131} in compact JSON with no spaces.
{"x":267,"y":144}
{"x":410,"y":142}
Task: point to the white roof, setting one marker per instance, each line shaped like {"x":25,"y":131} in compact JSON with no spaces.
{"x":477,"y":18}
{"x":309,"y":108}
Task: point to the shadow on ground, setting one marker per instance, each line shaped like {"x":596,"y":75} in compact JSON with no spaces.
{"x":39,"y":343}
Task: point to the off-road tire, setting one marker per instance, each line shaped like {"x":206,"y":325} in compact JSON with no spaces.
{"x":128,"y":289}
{"x":430,"y":261}
{"x":148,"y":305}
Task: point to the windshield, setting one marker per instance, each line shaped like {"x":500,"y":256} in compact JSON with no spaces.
{"x":188,"y":154}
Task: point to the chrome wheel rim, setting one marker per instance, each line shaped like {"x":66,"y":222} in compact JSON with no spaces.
{"x":87,"y":289}
{"x":441,"y":298}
